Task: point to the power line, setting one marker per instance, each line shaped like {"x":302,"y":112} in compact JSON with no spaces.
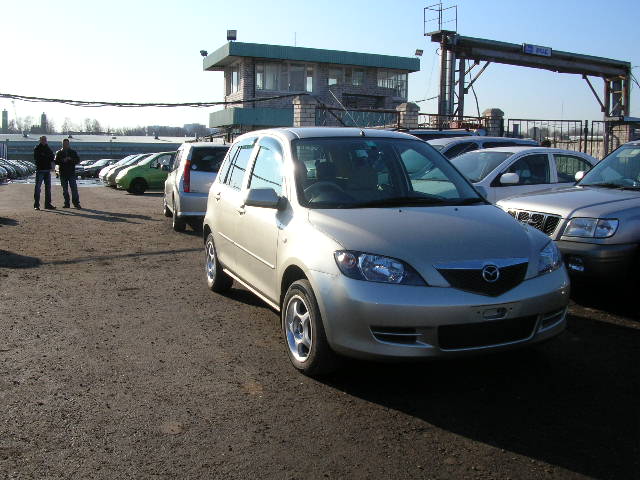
{"x":95,"y":103}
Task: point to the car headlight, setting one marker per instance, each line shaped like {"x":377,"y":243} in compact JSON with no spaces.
{"x":376,"y":268}
{"x":591,"y":227}
{"x":549,"y":259}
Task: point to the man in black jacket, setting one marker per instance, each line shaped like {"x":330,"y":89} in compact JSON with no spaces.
{"x":68,"y":158}
{"x":43,"y":156}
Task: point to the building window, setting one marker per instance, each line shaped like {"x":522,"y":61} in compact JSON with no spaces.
{"x":346,"y":76}
{"x":233,"y":80}
{"x":284,"y":77}
{"x":395,"y":80}
{"x":336,"y":76}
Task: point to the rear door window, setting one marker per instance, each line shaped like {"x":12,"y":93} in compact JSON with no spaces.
{"x":207,"y":159}
{"x":568,"y":165}
{"x":532,"y":169}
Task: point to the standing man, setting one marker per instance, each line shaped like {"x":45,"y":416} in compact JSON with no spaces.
{"x":67,"y":158}
{"x":43,"y":157}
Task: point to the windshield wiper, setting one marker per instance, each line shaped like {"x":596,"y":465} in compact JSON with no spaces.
{"x":399,"y":202}
{"x":612,"y":185}
{"x":469,"y":201}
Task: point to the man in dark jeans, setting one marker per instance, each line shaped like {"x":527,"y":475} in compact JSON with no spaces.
{"x":43,"y":156}
{"x":67,"y":158}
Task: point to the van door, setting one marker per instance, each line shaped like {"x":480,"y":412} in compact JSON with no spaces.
{"x":258,"y":227}
{"x":228,"y":199}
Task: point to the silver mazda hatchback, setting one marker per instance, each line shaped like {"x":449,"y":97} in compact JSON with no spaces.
{"x":366,"y":253}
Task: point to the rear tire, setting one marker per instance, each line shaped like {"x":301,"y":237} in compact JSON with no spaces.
{"x":165,"y":208}
{"x":178,"y":224}
{"x":303,"y":332}
{"x":217,"y":280}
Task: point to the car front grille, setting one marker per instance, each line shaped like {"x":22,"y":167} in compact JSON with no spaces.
{"x":472,"y":280}
{"x":542,"y":221}
{"x":485,"y":334}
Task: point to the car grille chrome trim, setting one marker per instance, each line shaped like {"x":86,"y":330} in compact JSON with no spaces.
{"x":404,"y":336}
{"x":468,"y":275}
{"x":550,"y":320}
{"x":544,"y":222}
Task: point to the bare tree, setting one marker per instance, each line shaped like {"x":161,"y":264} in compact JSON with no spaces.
{"x":95,"y":126}
{"x":86,"y":126}
{"x":51,"y":127}
{"x":67,"y":126}
{"x":27,"y":123}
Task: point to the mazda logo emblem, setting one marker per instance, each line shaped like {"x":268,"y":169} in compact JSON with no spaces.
{"x":490,"y":273}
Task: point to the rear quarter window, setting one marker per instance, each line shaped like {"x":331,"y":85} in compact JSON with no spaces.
{"x":206,"y":159}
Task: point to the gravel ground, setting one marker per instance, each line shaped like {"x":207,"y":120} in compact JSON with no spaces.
{"x":117,"y":362}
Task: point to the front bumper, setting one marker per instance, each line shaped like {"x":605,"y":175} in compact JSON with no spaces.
{"x":590,"y":260}
{"x":381,"y":321}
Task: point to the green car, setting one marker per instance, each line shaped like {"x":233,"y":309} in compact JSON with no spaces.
{"x":148,"y":174}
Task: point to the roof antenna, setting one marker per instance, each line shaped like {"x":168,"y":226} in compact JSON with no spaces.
{"x":348,"y":113}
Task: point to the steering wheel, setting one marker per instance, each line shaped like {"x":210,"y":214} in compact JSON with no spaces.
{"x":313,"y":190}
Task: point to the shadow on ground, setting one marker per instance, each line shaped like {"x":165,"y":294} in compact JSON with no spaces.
{"x":105,"y":216}
{"x":618,"y":299}
{"x":15,"y":260}
{"x":9,"y":222}
{"x":572,"y":402}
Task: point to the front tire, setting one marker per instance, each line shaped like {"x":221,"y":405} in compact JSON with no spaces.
{"x":303,"y":332}
{"x":217,"y":280}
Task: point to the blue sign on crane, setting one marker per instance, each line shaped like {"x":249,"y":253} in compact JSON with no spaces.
{"x":536,"y":50}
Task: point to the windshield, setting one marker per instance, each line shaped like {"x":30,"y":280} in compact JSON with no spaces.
{"x":438,"y":147}
{"x":477,"y":165}
{"x":360,"y":172}
{"x":100,"y":163}
{"x":620,"y":169}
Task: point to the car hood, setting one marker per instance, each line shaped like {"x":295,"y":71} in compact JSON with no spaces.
{"x":425,"y":236}
{"x":575,"y":201}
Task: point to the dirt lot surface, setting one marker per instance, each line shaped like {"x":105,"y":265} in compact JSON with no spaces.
{"x":117,"y":362}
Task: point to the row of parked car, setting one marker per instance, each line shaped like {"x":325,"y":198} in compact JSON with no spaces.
{"x":374,"y":244}
{"x":14,"y":169}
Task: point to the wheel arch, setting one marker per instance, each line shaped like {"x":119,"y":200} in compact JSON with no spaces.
{"x":291,"y":274}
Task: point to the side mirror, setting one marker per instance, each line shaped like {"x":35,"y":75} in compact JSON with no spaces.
{"x":510,"y":179}
{"x":265,"y":198}
{"x":164,"y":168}
{"x":579,"y":175}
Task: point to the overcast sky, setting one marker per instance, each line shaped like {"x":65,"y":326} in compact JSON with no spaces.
{"x":148,"y":51}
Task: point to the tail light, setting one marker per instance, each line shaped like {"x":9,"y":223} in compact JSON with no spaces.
{"x":186,"y":177}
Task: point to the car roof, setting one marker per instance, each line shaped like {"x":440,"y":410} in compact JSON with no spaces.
{"x":293,"y":133}
{"x":204,"y":144}
{"x":530,"y":148}
{"x":448,"y":140}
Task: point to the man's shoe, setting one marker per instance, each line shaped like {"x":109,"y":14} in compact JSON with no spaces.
{"x":66,"y":205}
{"x":36,"y":207}
{"x":49,"y":207}
{"x":77,"y":207}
